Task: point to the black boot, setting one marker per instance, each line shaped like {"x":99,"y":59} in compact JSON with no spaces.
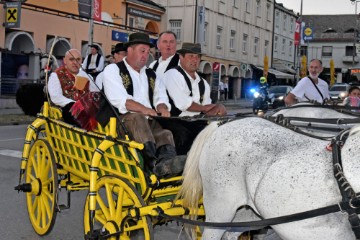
{"x":149,"y":154}
{"x":169,"y":164}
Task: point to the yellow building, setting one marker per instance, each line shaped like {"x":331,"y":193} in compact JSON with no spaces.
{"x":57,"y":25}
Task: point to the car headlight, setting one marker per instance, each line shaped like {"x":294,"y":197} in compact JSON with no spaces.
{"x":342,"y":95}
{"x":281,"y":97}
{"x":256,"y":94}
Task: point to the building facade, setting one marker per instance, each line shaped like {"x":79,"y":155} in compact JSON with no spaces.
{"x":56,"y":26}
{"x":284,"y":54}
{"x":334,"y":38}
{"x":235,"y":35}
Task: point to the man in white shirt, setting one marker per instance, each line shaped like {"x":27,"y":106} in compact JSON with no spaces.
{"x":94,"y":62}
{"x":189,"y":95}
{"x":118,"y":53}
{"x":169,"y":58}
{"x":61,"y":85}
{"x":221,"y":89}
{"x":136,"y":93}
{"x":311,"y":87}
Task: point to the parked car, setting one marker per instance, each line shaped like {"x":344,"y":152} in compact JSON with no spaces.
{"x":278,"y":93}
{"x":338,"y":91}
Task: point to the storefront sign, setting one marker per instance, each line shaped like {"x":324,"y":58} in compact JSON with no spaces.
{"x":13,"y":14}
{"x":144,"y":14}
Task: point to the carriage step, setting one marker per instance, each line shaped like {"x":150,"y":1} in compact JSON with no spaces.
{"x":63,"y":207}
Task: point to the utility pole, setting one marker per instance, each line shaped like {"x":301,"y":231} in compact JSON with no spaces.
{"x":299,"y":46}
{"x":355,"y":33}
{"x":91,"y":22}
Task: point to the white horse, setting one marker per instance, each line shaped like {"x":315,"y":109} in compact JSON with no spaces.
{"x":319,"y":127}
{"x":274,"y":171}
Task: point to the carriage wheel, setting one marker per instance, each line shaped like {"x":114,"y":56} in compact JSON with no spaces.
{"x":41,"y":174}
{"x":115,"y":196}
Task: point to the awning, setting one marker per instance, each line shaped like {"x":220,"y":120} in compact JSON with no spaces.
{"x":277,"y":74}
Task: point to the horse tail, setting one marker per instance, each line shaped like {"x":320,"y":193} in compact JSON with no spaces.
{"x":191,"y":190}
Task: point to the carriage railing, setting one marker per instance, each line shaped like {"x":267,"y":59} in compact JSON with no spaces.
{"x":74,"y":149}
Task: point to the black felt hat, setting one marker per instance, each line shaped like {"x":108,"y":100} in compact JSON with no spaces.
{"x":139,"y":38}
{"x":119,"y":48}
{"x":188,"y":47}
{"x":94,"y":46}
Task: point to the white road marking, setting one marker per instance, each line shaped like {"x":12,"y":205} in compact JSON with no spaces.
{"x":11,"y":153}
{"x":10,"y":139}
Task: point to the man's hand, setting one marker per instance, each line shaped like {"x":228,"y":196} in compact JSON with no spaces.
{"x":216,"y":110}
{"x":149,"y":112}
{"x":163,"y":110}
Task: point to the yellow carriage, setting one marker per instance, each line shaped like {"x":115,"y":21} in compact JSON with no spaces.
{"x":122,"y":198}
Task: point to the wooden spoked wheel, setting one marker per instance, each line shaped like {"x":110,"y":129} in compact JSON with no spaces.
{"x":41,"y":175}
{"x":115,"y":196}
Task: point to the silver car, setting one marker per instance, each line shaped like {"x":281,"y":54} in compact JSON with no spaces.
{"x":339,"y":91}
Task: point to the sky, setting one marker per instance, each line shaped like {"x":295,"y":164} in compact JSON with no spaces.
{"x":323,"y":7}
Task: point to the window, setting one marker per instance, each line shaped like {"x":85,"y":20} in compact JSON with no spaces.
{"x":245,"y":43}
{"x":291,"y":25}
{"x":235,"y":3}
{"x":247,"y":6}
{"x":277,"y":15}
{"x":205,"y":33}
{"x":327,"y":51}
{"x":218,"y":37}
{"x":266,"y":48}
{"x":290,"y":48}
{"x":258,"y":8}
{"x":349,"y":51}
{"x":131,"y":22}
{"x":276,"y":43}
{"x":256,"y":46}
{"x":232,"y":40}
{"x":285,"y":23}
{"x":268,"y":12}
{"x":175,"y":26}
{"x":283,"y":45}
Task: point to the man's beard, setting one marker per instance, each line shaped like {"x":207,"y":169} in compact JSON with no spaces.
{"x":314,"y":76}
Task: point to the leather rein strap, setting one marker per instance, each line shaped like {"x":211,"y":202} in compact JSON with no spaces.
{"x":348,"y":194}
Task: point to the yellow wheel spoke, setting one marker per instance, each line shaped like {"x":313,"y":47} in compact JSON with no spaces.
{"x":109,"y":196}
{"x":47,"y":209}
{"x":46,"y":170}
{"x":48,"y":181}
{"x":119,"y":206}
{"x":99,"y":216}
{"x":103,"y":207}
{"x":34,"y":166}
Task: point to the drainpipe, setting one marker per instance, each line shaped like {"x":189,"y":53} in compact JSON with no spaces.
{"x":273,"y":36}
{"x":195,"y":28}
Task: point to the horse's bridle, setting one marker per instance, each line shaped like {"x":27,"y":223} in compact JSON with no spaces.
{"x":347,"y":192}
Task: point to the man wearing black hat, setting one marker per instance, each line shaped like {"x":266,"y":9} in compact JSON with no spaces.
{"x":94,"y":62}
{"x":134,"y":91}
{"x":118,"y":53}
{"x":189,"y":95}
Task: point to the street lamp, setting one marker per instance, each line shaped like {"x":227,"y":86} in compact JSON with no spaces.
{"x":354,"y":2}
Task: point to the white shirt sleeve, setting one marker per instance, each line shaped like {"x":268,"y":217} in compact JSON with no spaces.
{"x":160,"y":95}
{"x":299,"y":90}
{"x":83,"y":66}
{"x":178,"y":89}
{"x":55,"y":91}
{"x":100,"y":67}
{"x":114,"y":88}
